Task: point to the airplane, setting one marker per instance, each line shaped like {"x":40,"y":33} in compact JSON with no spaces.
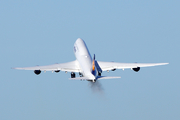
{"x":88,"y":68}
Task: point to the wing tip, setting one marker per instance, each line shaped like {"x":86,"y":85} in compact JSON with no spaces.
{"x":164,"y":63}
{"x":16,"y":68}
{"x":13,"y":68}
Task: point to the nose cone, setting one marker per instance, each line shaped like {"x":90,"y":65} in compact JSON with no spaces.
{"x":81,"y":47}
{"x":79,"y":40}
{"x":80,"y":43}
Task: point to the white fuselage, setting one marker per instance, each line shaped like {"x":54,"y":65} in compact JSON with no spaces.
{"x":84,"y":58}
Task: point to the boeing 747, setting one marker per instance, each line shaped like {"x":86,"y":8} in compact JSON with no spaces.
{"x":87,"y":67}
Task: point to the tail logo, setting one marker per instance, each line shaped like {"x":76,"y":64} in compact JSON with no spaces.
{"x":93,"y":64}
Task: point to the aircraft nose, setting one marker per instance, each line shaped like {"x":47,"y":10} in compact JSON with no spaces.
{"x":79,"y":40}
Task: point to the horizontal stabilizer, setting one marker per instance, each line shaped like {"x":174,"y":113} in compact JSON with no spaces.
{"x":107,"y":77}
{"x":99,"y":77}
{"x":80,"y":78}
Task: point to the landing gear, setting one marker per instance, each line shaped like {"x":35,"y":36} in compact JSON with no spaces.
{"x":73,"y":75}
{"x":99,"y":74}
{"x":80,"y":74}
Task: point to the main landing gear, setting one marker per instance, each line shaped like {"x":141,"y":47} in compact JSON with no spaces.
{"x":73,"y":75}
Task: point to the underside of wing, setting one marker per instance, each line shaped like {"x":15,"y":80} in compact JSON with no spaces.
{"x":69,"y":67}
{"x":114,"y":65}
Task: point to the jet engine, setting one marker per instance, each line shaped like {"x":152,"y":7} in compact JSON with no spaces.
{"x":57,"y":71}
{"x":136,"y":69}
{"x":37,"y":72}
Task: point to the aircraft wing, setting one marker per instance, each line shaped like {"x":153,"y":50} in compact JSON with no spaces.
{"x":114,"y":65}
{"x":69,"y":67}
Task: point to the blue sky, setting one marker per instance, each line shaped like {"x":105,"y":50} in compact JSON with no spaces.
{"x":43,"y":32}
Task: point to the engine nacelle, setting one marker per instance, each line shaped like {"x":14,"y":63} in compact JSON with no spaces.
{"x":57,"y":71}
{"x":136,"y":69}
{"x":37,"y":72}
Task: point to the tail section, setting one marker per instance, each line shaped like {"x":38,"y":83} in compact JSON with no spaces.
{"x":93,"y":64}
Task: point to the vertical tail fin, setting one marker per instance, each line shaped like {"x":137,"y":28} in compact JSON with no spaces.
{"x":96,"y":66}
{"x":93,"y":63}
